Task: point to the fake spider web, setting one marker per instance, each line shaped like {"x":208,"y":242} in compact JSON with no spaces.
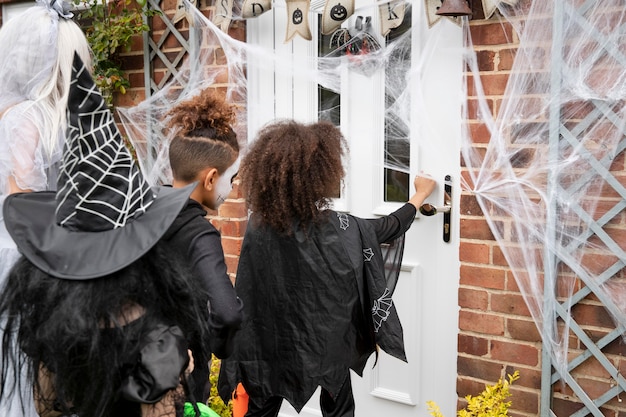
{"x":360,"y":50}
{"x":547,"y":203}
{"x":550,"y":181}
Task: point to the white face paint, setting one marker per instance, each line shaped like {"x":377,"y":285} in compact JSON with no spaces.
{"x":224,"y":183}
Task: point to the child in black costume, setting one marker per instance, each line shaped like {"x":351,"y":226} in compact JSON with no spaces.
{"x":99,"y":315}
{"x":205,"y":151}
{"x":316,"y":298}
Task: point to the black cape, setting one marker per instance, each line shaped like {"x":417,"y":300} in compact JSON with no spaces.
{"x":315,"y":306}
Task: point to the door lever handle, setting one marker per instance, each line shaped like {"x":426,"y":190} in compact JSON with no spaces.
{"x":430,"y":210}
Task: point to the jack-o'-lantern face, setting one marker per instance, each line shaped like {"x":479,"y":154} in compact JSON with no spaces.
{"x":338,"y":13}
{"x":297,"y":17}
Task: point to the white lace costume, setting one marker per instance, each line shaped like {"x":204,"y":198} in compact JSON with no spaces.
{"x":23,"y":158}
{"x":32,"y":122}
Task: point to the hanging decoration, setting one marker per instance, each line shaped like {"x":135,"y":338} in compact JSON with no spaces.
{"x":298,"y":19}
{"x":391,"y":16}
{"x":223,"y":14}
{"x":254,"y":8}
{"x":335,"y":13}
{"x":182,"y":10}
{"x":431,"y":13}
{"x":490,"y":6}
{"x":361,"y":47}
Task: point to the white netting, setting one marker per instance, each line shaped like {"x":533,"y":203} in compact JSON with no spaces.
{"x":543,"y":181}
{"x":364,"y":53}
{"x":550,"y":182}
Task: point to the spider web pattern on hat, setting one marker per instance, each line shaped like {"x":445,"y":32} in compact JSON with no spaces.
{"x":99,"y":186}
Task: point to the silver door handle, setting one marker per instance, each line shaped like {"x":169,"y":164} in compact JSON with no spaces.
{"x":428,"y":209}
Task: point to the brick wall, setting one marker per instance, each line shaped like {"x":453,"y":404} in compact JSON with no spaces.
{"x":496,"y":332}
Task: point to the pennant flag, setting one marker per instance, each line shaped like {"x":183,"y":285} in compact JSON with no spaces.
{"x":223,"y":14}
{"x":182,"y":10}
{"x":391,"y":16}
{"x":431,"y":13}
{"x":335,"y":13}
{"x":490,"y":6}
{"x":254,"y":8}
{"x":298,"y":19}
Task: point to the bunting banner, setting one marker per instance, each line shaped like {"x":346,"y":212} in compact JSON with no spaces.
{"x":254,"y":8}
{"x":182,"y":10}
{"x":223,"y":14}
{"x":490,"y":6}
{"x":298,"y":19}
{"x":391,"y":16}
{"x":431,"y":13}
{"x":335,"y":13}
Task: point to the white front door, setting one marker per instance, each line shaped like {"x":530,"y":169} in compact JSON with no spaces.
{"x":388,"y":146}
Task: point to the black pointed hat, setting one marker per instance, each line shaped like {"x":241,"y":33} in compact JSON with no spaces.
{"x":104,"y":215}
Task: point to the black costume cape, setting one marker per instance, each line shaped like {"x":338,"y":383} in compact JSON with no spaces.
{"x":315,"y":306}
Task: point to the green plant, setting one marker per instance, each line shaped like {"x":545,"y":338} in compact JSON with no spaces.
{"x":490,"y":403}
{"x":215,"y":401}
{"x":110,"y":27}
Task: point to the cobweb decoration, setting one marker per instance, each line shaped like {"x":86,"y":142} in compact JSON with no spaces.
{"x":100,"y":187}
{"x":220,"y":61}
{"x":550,"y":181}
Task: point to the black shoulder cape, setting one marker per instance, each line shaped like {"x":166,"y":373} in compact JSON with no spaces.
{"x":315,"y":306}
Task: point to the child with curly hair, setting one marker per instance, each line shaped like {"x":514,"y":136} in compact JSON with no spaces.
{"x":316,"y":300}
{"x":204,"y":150}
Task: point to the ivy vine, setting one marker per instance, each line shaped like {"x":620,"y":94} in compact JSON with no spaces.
{"x":109,"y":27}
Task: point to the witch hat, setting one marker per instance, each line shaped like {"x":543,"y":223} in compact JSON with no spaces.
{"x":104,"y":215}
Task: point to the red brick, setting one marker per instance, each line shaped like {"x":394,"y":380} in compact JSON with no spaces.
{"x":472,"y":345}
{"x":479,"y":133}
{"x":467,"y":386}
{"x":509,"y":303}
{"x":467,"y":178}
{"x":514,"y":353}
{"x":131,"y":98}
{"x":564,"y":407}
{"x":523,"y":330}
{"x":136,"y":80}
{"x":479,"y":368}
{"x":592,"y":315}
{"x":482,"y":277}
{"x":473,"y":299}
{"x":499,"y":33}
{"x":231,"y":263}
{"x":494,"y":84}
{"x":469,"y":205}
{"x":486,"y":60}
{"x":232,"y":246}
{"x":474,"y":252}
{"x":591,"y":368}
{"x":234,"y":210}
{"x":488,"y":324}
{"x":475,"y":229}
{"x":228,"y":227}
{"x":524,"y":401}
{"x":505,"y":58}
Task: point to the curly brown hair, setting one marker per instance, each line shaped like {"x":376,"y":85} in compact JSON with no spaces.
{"x":291,"y":172}
{"x":204,"y":137}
